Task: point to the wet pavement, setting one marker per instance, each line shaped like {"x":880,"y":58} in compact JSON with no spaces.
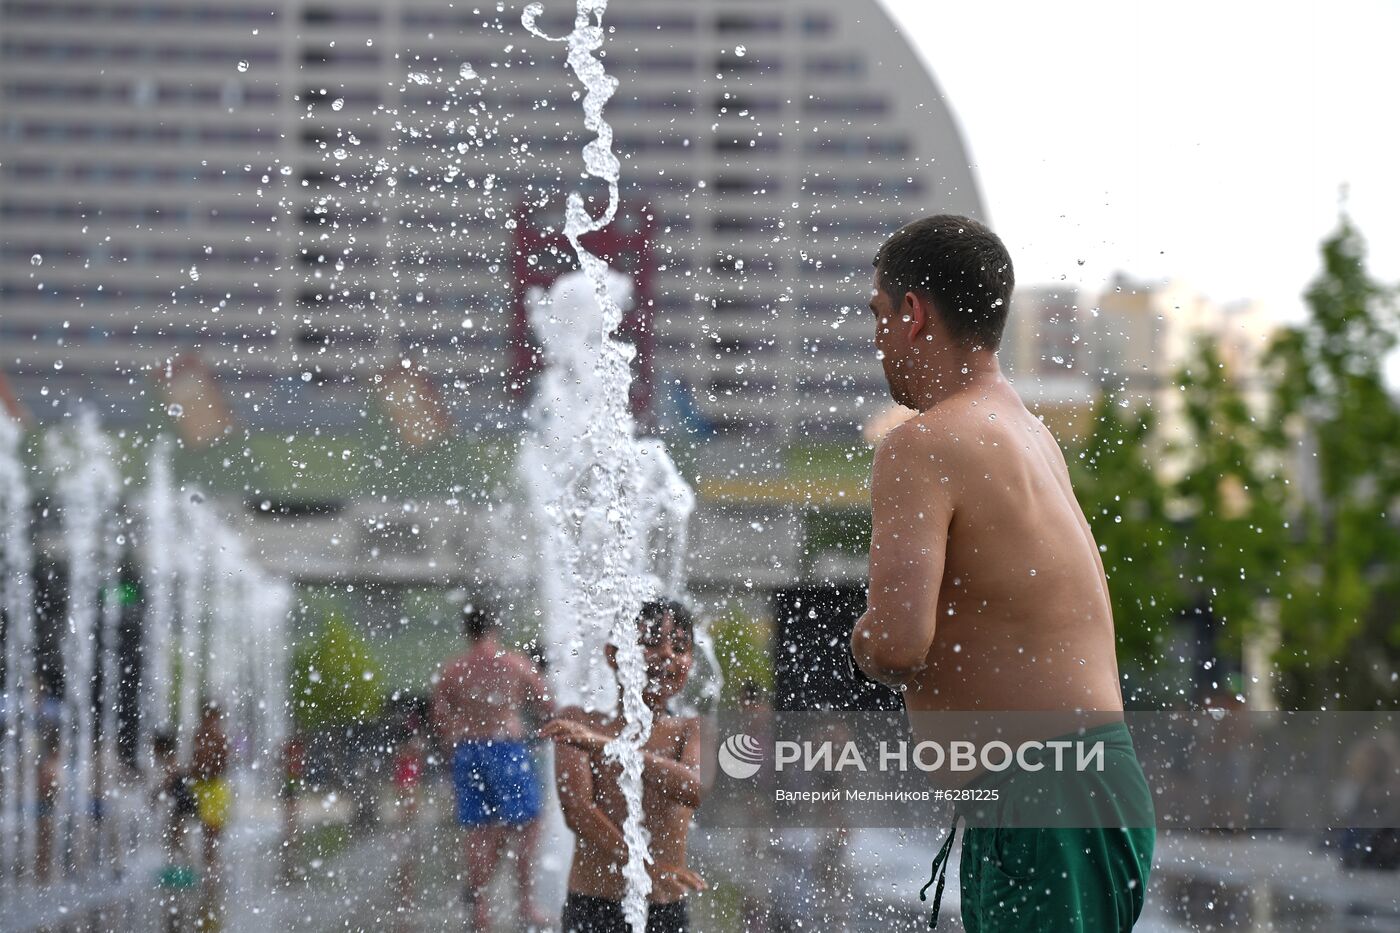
{"x":404,"y":876}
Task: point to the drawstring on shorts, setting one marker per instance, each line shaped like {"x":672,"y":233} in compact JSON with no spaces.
{"x":939,"y":874}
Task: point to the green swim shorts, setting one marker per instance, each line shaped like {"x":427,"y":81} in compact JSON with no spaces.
{"x":1085,"y":872}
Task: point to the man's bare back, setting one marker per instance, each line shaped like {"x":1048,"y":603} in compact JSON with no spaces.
{"x":1024,"y":618}
{"x":482,"y":692}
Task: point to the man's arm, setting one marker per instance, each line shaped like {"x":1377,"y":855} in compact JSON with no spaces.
{"x":911,"y":509}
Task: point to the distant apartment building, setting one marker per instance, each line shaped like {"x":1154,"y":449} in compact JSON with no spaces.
{"x":1043,"y":353}
{"x":1131,"y":340}
{"x":1143,"y":333}
{"x":300,"y":196}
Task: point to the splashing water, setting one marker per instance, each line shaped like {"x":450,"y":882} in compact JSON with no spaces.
{"x":87,"y":489}
{"x":603,"y":496}
{"x":159,"y":583}
{"x":18,"y":751}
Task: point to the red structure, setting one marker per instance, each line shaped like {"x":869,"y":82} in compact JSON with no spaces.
{"x":542,"y":254}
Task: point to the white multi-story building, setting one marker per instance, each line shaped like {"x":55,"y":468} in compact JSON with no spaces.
{"x":184,"y":176}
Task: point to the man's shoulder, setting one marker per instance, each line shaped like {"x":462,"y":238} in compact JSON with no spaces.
{"x":934,"y":435}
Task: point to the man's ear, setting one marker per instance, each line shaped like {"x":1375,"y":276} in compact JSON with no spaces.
{"x":914,"y":316}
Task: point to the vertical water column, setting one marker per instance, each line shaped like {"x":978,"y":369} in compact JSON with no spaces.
{"x":273,"y":601}
{"x":602,"y":519}
{"x":86,"y":489}
{"x":18,"y":749}
{"x":191,"y":578}
{"x":106,"y":784}
{"x":158,"y":585}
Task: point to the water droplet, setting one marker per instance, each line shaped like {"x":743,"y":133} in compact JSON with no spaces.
{"x":740,"y":51}
{"x":175,"y":410}
{"x":1032,"y":571}
{"x":36,"y":260}
{"x":242,"y":66}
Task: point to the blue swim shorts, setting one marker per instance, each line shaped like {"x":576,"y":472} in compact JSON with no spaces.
{"x":495,"y":782}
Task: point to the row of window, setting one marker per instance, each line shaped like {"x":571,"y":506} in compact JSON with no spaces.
{"x":200,"y":12}
{"x":118,"y":52}
{"x":133,"y":213}
{"x":15,"y":290}
{"x":672,"y":102}
{"x":890,"y":147}
{"x":558,"y":24}
{"x":125,"y":174}
{"x":140,"y":254}
{"x":151,"y":335}
{"x":51,"y":131}
{"x":142,"y":92}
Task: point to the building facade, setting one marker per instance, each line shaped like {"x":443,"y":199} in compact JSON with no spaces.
{"x":305,"y":194}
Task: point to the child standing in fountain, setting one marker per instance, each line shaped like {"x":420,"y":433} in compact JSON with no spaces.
{"x":591,"y":795}
{"x":212,"y":793}
{"x":175,"y":796}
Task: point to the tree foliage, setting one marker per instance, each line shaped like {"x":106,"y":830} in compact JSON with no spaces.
{"x":1234,"y":545}
{"x":335,"y":680}
{"x":1116,"y":482}
{"x":1339,"y":623}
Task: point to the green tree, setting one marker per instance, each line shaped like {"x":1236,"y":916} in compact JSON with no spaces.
{"x":742,"y":647}
{"x":335,"y":680}
{"x":1231,"y":492}
{"x":1117,"y":486}
{"x":1339,"y":626}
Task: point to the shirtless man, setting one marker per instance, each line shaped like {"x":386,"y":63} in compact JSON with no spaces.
{"x":477,"y":712}
{"x":592,"y":800}
{"x":987,"y":591}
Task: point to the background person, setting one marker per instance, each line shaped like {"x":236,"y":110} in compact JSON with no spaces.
{"x":212,"y":793}
{"x":478,"y":709}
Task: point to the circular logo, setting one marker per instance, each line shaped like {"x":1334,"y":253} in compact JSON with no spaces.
{"x":740,"y":756}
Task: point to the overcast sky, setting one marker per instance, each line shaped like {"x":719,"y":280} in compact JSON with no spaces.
{"x":1202,"y":141}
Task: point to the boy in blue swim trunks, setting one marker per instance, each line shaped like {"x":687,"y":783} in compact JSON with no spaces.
{"x":987,"y":591}
{"x":478,"y":711}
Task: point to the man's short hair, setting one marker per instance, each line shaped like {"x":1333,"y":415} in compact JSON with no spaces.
{"x":959,"y":265}
{"x":478,"y":618}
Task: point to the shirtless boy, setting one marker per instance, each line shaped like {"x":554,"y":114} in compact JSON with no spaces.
{"x":592,"y":800}
{"x":987,"y":592}
{"x":477,"y":713}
